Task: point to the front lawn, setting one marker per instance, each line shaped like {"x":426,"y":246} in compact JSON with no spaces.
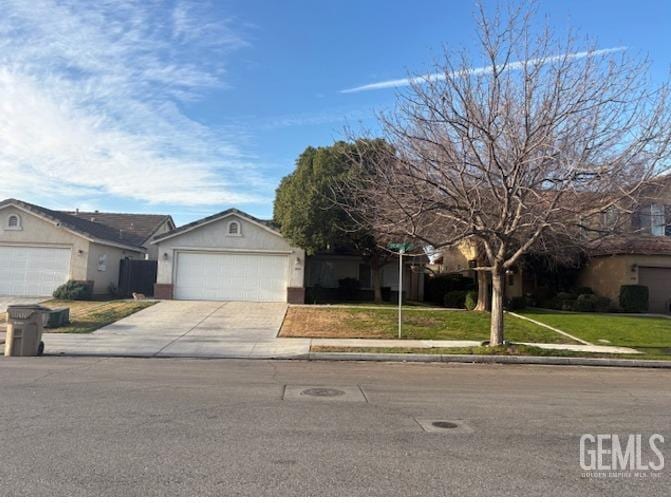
{"x":89,"y":315}
{"x":436,"y":324}
{"x":609,"y":329}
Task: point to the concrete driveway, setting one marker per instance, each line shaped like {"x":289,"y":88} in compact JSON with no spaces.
{"x":8,"y":300}
{"x":188,"y":329}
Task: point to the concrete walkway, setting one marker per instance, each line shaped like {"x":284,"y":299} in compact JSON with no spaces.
{"x":8,"y":300}
{"x":400,"y":343}
{"x":188,"y":329}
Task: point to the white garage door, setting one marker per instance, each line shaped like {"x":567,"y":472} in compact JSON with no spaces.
{"x":32,"y":270}
{"x":231,"y":276}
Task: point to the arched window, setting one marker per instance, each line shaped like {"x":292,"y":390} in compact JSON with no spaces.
{"x":13,"y":222}
{"x":234,"y":228}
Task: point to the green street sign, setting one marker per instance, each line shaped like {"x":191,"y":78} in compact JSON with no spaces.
{"x":400,"y":247}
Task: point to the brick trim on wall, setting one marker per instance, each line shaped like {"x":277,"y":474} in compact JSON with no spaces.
{"x":295,"y":295}
{"x":163,"y":291}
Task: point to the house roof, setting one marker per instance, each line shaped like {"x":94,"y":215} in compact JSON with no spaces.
{"x":268,"y":224}
{"x":125,"y":230}
{"x":136,"y":228}
{"x":632,"y":245}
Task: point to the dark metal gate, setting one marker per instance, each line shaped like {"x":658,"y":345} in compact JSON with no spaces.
{"x":137,"y":276}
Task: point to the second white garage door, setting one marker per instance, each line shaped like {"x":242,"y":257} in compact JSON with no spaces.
{"x":32,"y":271}
{"x":231,"y":276}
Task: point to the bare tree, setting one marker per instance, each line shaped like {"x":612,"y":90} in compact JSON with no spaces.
{"x":526,"y":154}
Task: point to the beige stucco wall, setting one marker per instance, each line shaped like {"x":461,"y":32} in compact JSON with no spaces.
{"x":152,"y":249}
{"x":38,"y":232}
{"x":214,"y":237}
{"x":108,"y":274}
{"x":605,"y":275}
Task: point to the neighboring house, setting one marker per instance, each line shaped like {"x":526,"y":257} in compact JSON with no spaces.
{"x":640,"y":259}
{"x":640,"y":256}
{"x":229,"y":256}
{"x":40,"y":249}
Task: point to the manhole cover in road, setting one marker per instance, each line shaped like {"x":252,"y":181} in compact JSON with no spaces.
{"x":453,"y":426}
{"x":444,"y":424}
{"x":322,"y":392}
{"x":329,"y":394}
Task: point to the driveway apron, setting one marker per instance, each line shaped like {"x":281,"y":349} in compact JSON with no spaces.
{"x":200,"y":329}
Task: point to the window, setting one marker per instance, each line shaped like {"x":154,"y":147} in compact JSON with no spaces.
{"x":102,"y":262}
{"x":13,"y":223}
{"x":657,"y":220}
{"x":234,"y":229}
{"x":365,"y":276}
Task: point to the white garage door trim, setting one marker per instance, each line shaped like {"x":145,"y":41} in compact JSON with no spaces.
{"x":33,"y":270}
{"x":252,"y":276}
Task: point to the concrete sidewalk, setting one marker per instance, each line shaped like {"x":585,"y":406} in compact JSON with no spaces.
{"x":423,"y":344}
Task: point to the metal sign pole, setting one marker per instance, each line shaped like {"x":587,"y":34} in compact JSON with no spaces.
{"x":400,"y":291}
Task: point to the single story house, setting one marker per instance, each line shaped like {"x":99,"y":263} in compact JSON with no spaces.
{"x":229,"y":256}
{"x":234,"y":256}
{"x":40,"y":249}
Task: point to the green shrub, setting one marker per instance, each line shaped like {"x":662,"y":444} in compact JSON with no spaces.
{"x":517,"y":303}
{"x":603,"y":304}
{"x":568,"y":305}
{"x":436,"y":287}
{"x":585,"y":303}
{"x":634,"y":298}
{"x":562,"y":296}
{"x":74,"y":290}
{"x":583,"y":290}
{"x":455,"y":298}
{"x":471,"y":300}
{"x":347,"y":288}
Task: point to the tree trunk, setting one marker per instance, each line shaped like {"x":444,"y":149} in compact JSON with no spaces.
{"x":376,"y":270}
{"x":496,"y":327}
{"x":484,"y":300}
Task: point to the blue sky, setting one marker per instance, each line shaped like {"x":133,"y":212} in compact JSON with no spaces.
{"x":189,"y":108}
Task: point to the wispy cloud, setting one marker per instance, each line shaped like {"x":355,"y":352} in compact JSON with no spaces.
{"x":92,"y":99}
{"x":339,"y":117}
{"x":516,"y":65}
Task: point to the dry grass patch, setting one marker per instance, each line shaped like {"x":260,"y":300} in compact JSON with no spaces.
{"x":88,"y":316}
{"x":436,"y":324}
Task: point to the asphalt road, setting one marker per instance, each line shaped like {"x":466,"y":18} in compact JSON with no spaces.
{"x":123,"y":427}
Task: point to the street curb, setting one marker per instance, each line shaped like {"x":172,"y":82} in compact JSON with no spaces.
{"x":518,"y":360}
{"x":399,"y":358}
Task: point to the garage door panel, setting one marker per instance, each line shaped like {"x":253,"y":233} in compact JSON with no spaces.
{"x":658,"y":281}
{"x":231,"y":276}
{"x":33,"y":270}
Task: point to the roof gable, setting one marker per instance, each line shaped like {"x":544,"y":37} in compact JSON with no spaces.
{"x":264,"y":224}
